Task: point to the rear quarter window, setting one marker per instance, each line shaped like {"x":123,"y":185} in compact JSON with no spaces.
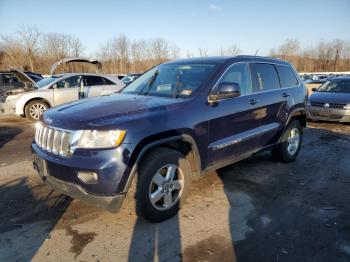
{"x":93,"y":81}
{"x":108,"y":82}
{"x":287,"y":76}
{"x":266,"y":77}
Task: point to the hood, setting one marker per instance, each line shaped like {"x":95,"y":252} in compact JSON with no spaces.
{"x":329,"y":97}
{"x":23,"y":77}
{"x":77,"y":60}
{"x":28,"y":84}
{"x":107,"y":111}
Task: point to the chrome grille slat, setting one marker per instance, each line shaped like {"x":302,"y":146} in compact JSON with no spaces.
{"x":56,"y":140}
{"x":53,"y":140}
{"x":49,"y":140}
{"x":44,"y":139}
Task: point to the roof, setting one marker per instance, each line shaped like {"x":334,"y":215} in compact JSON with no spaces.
{"x":225,"y":59}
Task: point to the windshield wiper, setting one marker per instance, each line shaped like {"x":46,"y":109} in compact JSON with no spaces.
{"x":150,"y":82}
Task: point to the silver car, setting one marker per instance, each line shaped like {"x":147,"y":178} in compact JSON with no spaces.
{"x":56,"y":90}
{"x":59,"y":89}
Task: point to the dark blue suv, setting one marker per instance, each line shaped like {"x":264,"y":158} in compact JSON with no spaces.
{"x":177,"y":121}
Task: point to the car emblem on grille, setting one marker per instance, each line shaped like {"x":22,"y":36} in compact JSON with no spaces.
{"x":326,"y":105}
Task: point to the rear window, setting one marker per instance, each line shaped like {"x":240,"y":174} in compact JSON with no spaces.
{"x":266,"y":77}
{"x":287,"y":76}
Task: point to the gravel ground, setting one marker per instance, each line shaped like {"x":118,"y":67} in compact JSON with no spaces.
{"x":254,"y":210}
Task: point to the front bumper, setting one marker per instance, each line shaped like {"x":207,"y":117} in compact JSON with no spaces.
{"x":62,"y":173}
{"x":7,"y":108}
{"x":328,"y":114}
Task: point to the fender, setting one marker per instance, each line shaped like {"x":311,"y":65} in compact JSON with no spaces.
{"x":20,"y":110}
{"x":183,"y":137}
{"x":295,"y":112}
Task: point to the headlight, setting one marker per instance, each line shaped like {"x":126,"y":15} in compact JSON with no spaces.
{"x":99,"y":139}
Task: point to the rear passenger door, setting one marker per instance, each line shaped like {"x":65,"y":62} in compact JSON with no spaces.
{"x":94,"y":86}
{"x":274,"y":101}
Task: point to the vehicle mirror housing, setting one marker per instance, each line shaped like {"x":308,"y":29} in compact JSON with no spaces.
{"x":224,"y":91}
{"x":54,"y":86}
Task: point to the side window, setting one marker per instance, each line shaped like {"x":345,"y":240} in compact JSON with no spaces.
{"x":69,"y":82}
{"x":93,"y":81}
{"x":266,"y":77}
{"x":240,"y":74}
{"x":287,"y":76}
{"x":109,"y":82}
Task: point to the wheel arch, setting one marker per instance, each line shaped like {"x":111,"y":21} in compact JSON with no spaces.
{"x":183,"y":143}
{"x":297,"y":114}
{"x":34,"y":99}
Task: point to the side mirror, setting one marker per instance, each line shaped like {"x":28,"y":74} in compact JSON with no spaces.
{"x":224,"y":91}
{"x":314,"y":89}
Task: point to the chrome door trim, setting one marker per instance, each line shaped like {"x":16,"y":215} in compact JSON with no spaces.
{"x":238,"y":138}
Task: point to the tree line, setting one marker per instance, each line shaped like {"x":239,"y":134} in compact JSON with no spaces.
{"x":30,"y":49}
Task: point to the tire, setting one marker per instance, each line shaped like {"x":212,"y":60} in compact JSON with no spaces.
{"x":35,"y":109}
{"x":288,"y":148}
{"x":154,"y":181}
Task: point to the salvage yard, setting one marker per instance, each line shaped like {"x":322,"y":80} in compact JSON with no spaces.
{"x":270,"y":211}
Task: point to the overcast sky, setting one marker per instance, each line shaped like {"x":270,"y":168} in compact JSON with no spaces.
{"x":190,"y":24}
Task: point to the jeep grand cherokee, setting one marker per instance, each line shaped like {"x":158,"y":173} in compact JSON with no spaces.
{"x":178,"y":120}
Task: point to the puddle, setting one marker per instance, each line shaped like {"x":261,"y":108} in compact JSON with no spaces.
{"x":79,"y":240}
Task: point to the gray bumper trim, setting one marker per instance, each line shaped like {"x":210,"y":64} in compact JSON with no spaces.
{"x":110,"y":203}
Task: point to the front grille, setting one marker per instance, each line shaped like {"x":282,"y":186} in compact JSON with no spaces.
{"x":331,"y":105}
{"x":53,"y":140}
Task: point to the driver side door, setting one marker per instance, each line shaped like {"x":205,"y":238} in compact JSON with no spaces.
{"x":67,"y":90}
{"x":234,"y":125}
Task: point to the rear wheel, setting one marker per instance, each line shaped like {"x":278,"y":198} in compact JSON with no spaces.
{"x":35,"y":109}
{"x":163,"y":184}
{"x":288,"y":148}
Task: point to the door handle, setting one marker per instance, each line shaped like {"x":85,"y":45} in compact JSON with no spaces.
{"x":285,"y":94}
{"x":253,"y":101}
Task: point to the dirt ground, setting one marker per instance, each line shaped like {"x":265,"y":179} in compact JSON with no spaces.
{"x":256,"y":210}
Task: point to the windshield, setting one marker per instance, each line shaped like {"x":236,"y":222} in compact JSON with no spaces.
{"x":337,"y":86}
{"x":45,"y":81}
{"x":171,"y":80}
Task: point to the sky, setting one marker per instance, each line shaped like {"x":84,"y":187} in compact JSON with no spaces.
{"x":190,"y":24}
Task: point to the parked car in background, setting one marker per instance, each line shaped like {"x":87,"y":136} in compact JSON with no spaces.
{"x":129,"y":78}
{"x":16,"y":80}
{"x":179,"y":120}
{"x":331,"y":101}
{"x":56,"y":90}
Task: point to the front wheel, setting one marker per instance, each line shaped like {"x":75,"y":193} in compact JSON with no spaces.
{"x":163,"y":184}
{"x":290,"y":143}
{"x":35,"y":109}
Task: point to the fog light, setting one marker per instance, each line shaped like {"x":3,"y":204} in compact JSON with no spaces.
{"x":88,"y":177}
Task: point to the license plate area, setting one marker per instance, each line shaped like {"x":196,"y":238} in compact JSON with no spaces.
{"x":40,"y":166}
{"x":325,"y":111}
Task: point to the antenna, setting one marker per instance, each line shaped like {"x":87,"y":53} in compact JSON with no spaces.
{"x":256,"y":52}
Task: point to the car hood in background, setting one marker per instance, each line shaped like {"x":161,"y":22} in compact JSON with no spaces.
{"x":107,"y":111}
{"x":329,"y":97}
{"x":24,"y":78}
